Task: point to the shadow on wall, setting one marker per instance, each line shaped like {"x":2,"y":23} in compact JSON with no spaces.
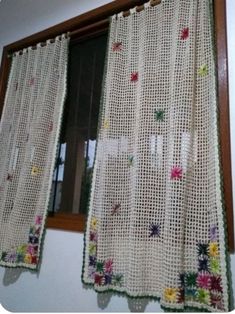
{"x":134,"y":305}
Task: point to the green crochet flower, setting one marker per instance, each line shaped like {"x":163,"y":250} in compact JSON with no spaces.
{"x":214,"y":266}
{"x":203,"y":296}
{"x":118,"y":280}
{"x":190,"y":279}
{"x":22,"y":249}
{"x":92,"y":249}
{"x":203,"y":70}
{"x":159,"y":115}
{"x":100,"y":267}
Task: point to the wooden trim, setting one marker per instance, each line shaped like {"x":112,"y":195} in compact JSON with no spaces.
{"x":96,"y":21}
{"x":224,"y":119}
{"x":65,"y":221}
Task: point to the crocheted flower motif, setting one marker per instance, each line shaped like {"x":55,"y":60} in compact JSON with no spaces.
{"x":91,"y":272}
{"x":190,"y":293}
{"x":106,"y":124}
{"x":115,"y":209}
{"x":170,"y":294}
{"x":10,"y":257}
{"x":213,"y":233}
{"x":92,"y":248}
{"x":190,"y":279}
{"x":92,"y":260}
{"x":202,"y":249}
{"x":117,"y":46}
{"x":216,"y":283}
{"x":38,"y":220}
{"x":94,"y":223}
{"x":130,"y":160}
{"x":28,"y":259}
{"x":100,"y":267}
{"x":203,"y":70}
{"x":155,"y":230}
{"x":159,"y":115}
{"x":22,"y":249}
{"x":32,"y":81}
{"x":35,"y":171}
{"x":184,"y":33}
{"x":118,"y":279}
{"x":99,"y":279}
{"x":217,"y":300}
{"x":134,"y":76}
{"x":203,"y":264}
{"x":213,"y":249}
{"x":93,"y":236}
{"x":108,"y":266}
{"x":9,"y":177}
{"x":108,"y":279}
{"x":204,"y":280}
{"x":176,"y":173}
{"x":203,"y":296}
{"x":214,"y":266}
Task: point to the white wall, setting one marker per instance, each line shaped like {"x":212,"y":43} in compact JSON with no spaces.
{"x":58,"y":285}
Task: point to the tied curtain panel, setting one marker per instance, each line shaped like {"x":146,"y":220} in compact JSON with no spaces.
{"x":29,"y":134}
{"x":155,"y":226}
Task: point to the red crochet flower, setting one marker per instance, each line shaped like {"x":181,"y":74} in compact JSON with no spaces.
{"x":108,"y":266}
{"x":117,"y":46}
{"x":216,"y":283}
{"x":134,"y":76}
{"x":184,"y":33}
{"x":99,"y":279}
{"x":176,"y":173}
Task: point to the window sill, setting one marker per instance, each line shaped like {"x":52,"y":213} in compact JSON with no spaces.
{"x":67,"y":222}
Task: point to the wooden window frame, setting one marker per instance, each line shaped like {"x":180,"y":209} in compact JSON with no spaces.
{"x":95,"y":22}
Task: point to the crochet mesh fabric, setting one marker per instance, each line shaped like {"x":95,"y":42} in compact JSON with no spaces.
{"x":155,"y":226}
{"x":29,"y":133}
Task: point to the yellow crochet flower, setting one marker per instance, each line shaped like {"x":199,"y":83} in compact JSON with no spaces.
{"x":94,"y":223}
{"x":92,"y":249}
{"x":28,"y":259}
{"x":203,"y":70}
{"x":213,"y":249}
{"x":106,"y":124}
{"x":170,"y":294}
{"x":35,"y":171}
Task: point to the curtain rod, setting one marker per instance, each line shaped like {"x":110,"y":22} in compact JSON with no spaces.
{"x":85,"y":29}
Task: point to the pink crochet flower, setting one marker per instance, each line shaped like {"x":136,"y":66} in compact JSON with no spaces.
{"x":108,"y":266}
{"x":176,"y":173}
{"x":184,"y":33}
{"x":99,"y":279}
{"x":204,"y":280}
{"x":38,"y":220}
{"x":117,"y":46}
{"x":134,"y":76}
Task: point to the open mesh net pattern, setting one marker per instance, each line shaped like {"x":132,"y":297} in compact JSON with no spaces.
{"x":155,"y":226}
{"x":29,"y":132}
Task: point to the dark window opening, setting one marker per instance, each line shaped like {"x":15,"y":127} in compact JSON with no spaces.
{"x":73,"y":170}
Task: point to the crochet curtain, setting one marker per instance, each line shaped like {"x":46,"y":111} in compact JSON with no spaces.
{"x":155,"y":226}
{"x":29,"y":132}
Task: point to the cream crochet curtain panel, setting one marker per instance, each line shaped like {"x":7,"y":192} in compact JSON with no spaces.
{"x":155,"y":226}
{"x":29,"y":133}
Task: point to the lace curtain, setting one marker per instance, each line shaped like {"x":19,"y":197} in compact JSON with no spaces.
{"x":29,"y":132}
{"x":155,"y":225}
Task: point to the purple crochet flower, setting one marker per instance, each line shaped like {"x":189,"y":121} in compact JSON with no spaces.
{"x":154,"y":230}
{"x":213,"y":233}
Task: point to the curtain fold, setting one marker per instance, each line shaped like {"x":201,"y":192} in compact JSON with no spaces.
{"x":29,"y":133}
{"x":155,"y":226}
